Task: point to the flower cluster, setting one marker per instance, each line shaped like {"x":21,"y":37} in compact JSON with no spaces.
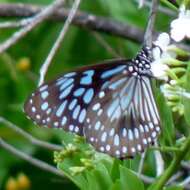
{"x":168,"y":65}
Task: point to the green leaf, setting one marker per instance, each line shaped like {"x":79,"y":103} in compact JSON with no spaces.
{"x":115,"y":174}
{"x":92,"y":183}
{"x":174,"y":188}
{"x":79,"y":180}
{"x":129,"y":181}
{"x":167,"y":125}
{"x":102,"y":177}
{"x":116,"y":185}
{"x":186,"y":101}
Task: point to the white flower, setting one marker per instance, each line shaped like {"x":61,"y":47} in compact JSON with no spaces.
{"x":159,"y":69}
{"x":163,"y":41}
{"x":160,"y":54}
{"x":180,"y":27}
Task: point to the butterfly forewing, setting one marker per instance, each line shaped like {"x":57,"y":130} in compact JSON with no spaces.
{"x":63,"y":103}
{"x":111,"y":104}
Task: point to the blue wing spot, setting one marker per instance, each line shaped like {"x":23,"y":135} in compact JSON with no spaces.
{"x":64,"y":120}
{"x":61,"y":109}
{"x":79,"y":92}
{"x":116,"y":84}
{"x":105,"y":85}
{"x":87,"y":79}
{"x":72,"y":104}
{"x":97,"y":125}
{"x":113,"y":107}
{"x":66,"y":83}
{"x":76,"y":112}
{"x":82,"y":116}
{"x":66,"y":92}
{"x":88,"y":95}
{"x":61,"y":81}
{"x":112,"y":72}
{"x":44,"y":94}
{"x":70,"y":74}
{"x":43,"y":88}
{"x":44,"y":106}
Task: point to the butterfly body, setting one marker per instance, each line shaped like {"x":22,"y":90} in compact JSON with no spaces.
{"x":111,"y":104}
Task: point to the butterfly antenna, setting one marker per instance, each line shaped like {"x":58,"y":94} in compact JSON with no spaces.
{"x":148,"y":37}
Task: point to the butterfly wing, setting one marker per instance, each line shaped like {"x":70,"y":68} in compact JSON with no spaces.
{"x":63,"y":103}
{"x":111,"y":104}
{"x":126,"y":120}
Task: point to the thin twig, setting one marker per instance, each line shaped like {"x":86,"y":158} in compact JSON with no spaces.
{"x":185,"y":182}
{"x":38,"y":163}
{"x":174,"y":177}
{"x":161,"y":9}
{"x":148,"y":38}
{"x":29,"y":137}
{"x":140,"y":169}
{"x":145,"y":179}
{"x":105,"y":45}
{"x":57,"y":44}
{"x":159,"y":162}
{"x":15,"y":24}
{"x":34,"y":21}
{"x":81,"y":19}
{"x":11,"y":24}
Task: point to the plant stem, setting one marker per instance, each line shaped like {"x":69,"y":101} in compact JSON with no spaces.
{"x":170,"y":5}
{"x":166,"y":149}
{"x":162,"y":180}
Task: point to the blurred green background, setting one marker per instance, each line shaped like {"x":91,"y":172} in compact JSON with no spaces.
{"x":19,"y":73}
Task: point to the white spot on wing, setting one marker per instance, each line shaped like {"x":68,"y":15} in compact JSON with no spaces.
{"x":116,"y":140}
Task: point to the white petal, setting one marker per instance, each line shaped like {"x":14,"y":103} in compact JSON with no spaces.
{"x":177,"y":34}
{"x":159,"y":69}
{"x":156,"y":53}
{"x":163,"y":41}
{"x":180,"y":26}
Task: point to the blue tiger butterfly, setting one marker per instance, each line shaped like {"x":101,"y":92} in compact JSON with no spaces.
{"x":110,"y":104}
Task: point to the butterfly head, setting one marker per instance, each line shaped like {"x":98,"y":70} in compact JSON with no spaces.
{"x":143,"y":59}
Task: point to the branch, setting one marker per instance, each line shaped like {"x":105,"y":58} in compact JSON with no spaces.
{"x":161,"y":9}
{"x":38,"y":163}
{"x":29,"y":137}
{"x":57,"y":44}
{"x":162,"y":180}
{"x":33,"y":22}
{"x":105,"y":45}
{"x":81,"y":19}
{"x":141,"y":163}
{"x":148,"y":38}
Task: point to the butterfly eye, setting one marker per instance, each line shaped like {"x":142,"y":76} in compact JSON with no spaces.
{"x":111,"y":104}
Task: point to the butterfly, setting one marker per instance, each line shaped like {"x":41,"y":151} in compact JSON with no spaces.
{"x":110,"y":104}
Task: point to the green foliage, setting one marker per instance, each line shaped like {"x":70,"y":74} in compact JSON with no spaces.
{"x":174,"y":188}
{"x":95,"y":170}
{"x":185,"y":100}
{"x":168,"y":131}
{"x":83,"y":167}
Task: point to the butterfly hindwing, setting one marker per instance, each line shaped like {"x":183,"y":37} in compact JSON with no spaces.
{"x":129,"y":121}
